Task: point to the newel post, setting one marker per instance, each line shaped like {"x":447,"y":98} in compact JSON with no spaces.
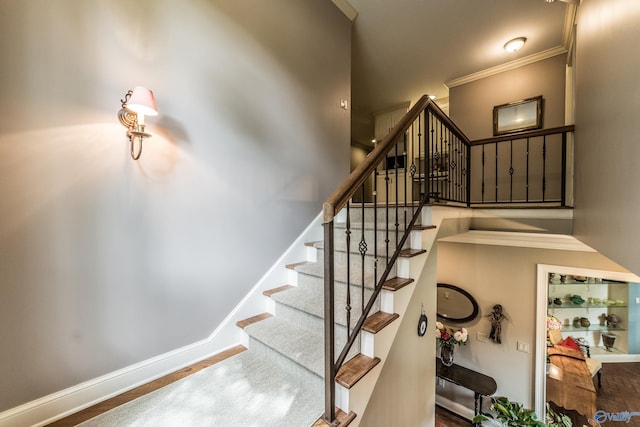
{"x":329,"y":335}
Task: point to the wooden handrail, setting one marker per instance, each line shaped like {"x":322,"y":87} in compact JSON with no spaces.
{"x":523,"y":135}
{"x":343,"y":193}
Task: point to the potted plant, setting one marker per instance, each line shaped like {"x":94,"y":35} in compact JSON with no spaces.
{"x":508,"y":413}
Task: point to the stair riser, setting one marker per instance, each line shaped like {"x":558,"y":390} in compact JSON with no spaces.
{"x":340,"y":241}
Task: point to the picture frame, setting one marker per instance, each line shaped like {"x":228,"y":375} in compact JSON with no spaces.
{"x":518,"y":116}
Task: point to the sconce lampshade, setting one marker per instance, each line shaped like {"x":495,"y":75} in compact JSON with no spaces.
{"x":142,"y":102}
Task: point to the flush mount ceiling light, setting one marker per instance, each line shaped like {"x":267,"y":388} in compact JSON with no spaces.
{"x":136,"y":104}
{"x":515,"y":44}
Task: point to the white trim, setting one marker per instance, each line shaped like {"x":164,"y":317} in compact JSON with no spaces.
{"x":55,"y":406}
{"x":455,"y":407}
{"x":540,"y":56}
{"x":524,"y":213}
{"x":541,"y":318}
{"x":522,"y":240}
{"x":346,"y":8}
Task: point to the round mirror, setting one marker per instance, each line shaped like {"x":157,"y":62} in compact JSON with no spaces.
{"x":455,"y":305}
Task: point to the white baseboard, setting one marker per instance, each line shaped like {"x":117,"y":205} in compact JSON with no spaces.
{"x":455,"y":407}
{"x":58,"y":405}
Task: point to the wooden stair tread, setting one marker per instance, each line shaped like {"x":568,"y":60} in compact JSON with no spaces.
{"x":424,"y":227}
{"x":408,"y":253}
{"x":396,"y":283}
{"x":378,"y":321}
{"x":296,"y":264}
{"x":356,"y":368}
{"x":312,"y":244}
{"x":343,"y":419}
{"x":251,"y":320}
{"x":270,"y":292}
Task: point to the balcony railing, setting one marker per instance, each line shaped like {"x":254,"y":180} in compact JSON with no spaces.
{"x":529,"y":168}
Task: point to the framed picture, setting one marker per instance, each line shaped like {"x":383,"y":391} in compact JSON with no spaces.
{"x":517,"y":116}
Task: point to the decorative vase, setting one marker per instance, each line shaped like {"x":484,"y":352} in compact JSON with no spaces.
{"x":608,"y":340}
{"x":446,"y":354}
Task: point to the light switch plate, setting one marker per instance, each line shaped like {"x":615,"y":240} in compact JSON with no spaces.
{"x":523,"y":347}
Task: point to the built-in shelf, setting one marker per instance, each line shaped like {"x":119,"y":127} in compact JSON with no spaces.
{"x":594,"y":328}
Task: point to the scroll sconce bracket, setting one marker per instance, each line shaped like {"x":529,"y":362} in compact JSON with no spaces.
{"x":135,"y":130}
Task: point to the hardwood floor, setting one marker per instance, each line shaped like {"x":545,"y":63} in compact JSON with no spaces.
{"x":620,"y":391}
{"x":445,"y":418}
{"x":130,"y":395}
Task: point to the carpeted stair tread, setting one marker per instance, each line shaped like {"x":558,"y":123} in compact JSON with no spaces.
{"x":378,"y":321}
{"x":299,"y":344}
{"x":305,"y":299}
{"x":353,"y":370}
{"x":317,"y":269}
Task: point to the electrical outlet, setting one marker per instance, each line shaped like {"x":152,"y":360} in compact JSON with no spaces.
{"x":482,"y":337}
{"x":523,"y":347}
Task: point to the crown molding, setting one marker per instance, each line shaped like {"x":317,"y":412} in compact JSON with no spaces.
{"x":540,"y":56}
{"x":346,"y":8}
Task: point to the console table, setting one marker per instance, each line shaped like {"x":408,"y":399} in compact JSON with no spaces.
{"x":480,"y":384}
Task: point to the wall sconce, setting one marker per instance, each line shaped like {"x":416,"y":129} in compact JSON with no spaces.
{"x":136,"y":104}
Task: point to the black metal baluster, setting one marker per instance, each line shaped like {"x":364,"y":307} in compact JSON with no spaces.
{"x":348,"y":241}
{"x":527,"y":178}
{"x":362,"y":247}
{"x":397,"y":195}
{"x":496,"y":177}
{"x":483,"y":173}
{"x":511,"y":173}
{"x":544,"y":166}
{"x":386,"y":207}
{"x":563,"y":183}
{"x":412,"y":170}
{"x":467,"y":173}
{"x":405,"y":200}
{"x":375,"y":230}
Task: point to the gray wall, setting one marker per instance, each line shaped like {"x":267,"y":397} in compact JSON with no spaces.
{"x":105,"y":262}
{"x":607,"y":199}
{"x":471,"y":105}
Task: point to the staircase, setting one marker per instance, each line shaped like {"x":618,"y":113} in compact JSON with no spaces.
{"x":290,"y":336}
